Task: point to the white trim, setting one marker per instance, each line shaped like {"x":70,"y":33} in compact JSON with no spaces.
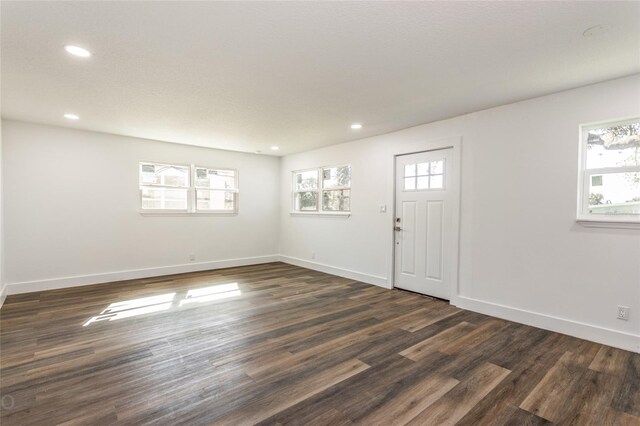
{"x":455,"y":143}
{"x":619,"y":339}
{"x":583,"y":217}
{"x":316,"y":213}
{"x":608,"y":223}
{"x":75,"y":281}
{"x":345,"y":273}
{"x":319,"y":190}
{"x":594,"y":333}
{"x":187,"y":214}
{"x":3,"y":294}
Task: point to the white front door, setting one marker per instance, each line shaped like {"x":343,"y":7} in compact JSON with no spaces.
{"x":423,"y":222}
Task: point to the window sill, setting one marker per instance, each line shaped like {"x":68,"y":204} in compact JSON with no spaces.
{"x":322,"y":214}
{"x":186,"y":214}
{"x":608,"y":223}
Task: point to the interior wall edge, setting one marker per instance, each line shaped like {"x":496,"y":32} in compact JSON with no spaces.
{"x":594,"y":333}
{"x":341,"y":272}
{"x":107,"y":277}
{"x":3,"y":294}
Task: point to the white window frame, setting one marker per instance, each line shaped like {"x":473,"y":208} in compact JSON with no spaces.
{"x":191,"y":209}
{"x":195,"y":191}
{"x":185,"y":188}
{"x":584,"y":217}
{"x":298,"y":191}
{"x":416,"y":176}
{"x":319,"y":192}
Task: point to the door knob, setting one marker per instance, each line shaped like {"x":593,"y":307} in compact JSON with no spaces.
{"x":397,"y":228}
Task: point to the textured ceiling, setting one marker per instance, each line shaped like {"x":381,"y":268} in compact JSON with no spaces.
{"x":245,"y":76}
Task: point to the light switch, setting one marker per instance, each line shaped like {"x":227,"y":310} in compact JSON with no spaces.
{"x":383,"y":208}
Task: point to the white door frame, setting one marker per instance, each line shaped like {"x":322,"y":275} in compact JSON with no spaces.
{"x":455,"y":143}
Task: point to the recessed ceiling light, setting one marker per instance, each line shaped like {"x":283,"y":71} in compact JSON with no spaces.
{"x":71,"y":116}
{"x":275,"y":148}
{"x":77,"y":51}
{"x":356,"y":126}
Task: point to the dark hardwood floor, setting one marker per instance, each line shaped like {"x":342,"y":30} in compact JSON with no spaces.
{"x":278,"y":344}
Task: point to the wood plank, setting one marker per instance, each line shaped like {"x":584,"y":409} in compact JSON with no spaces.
{"x":557,"y":390}
{"x":453,"y":406}
{"x":287,"y":396}
{"x":411,"y":402}
{"x":435,"y":343}
{"x":319,"y":349}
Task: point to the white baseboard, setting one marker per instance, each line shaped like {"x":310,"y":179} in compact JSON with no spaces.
{"x":606,"y":336}
{"x":64,"y":282}
{"x":3,"y":294}
{"x":619,"y":339}
{"x":346,"y":273}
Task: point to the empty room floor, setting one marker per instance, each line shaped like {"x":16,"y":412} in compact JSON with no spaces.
{"x":279,"y":344}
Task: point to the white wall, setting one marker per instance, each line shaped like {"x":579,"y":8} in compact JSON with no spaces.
{"x":72,"y":203}
{"x":522,"y":255}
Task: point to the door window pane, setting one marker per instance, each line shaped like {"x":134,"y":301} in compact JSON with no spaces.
{"x":437,"y":167}
{"x":409,"y":183}
{"x":436,"y":182}
{"x":423,"y":182}
{"x":428,"y":175}
{"x":423,"y":169}
{"x":409,"y":170}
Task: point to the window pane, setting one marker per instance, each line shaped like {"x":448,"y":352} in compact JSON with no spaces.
{"x":164,"y":199}
{"x":215,"y":179}
{"x":423,"y":182}
{"x":409,"y":184}
{"x":211,"y":178}
{"x":423,"y":170}
{"x":162,"y":174}
{"x":337,"y":200}
{"x":614,"y":146}
{"x":306,"y":201}
{"x":437,"y":167}
{"x":436,"y":182}
{"x":409,"y":170}
{"x":619,"y":193}
{"x":215,"y":200}
{"x":334,"y":177}
{"x":306,"y":180}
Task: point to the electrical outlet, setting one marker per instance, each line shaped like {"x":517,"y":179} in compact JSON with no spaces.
{"x":192,"y":257}
{"x":313,"y":255}
{"x":623,"y":313}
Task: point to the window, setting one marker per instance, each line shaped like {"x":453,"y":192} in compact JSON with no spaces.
{"x":324,"y":190}
{"x":167,"y":188}
{"x":164,"y":187}
{"x":422,"y":176}
{"x":216,"y":190}
{"x":610,"y":172}
{"x":305,"y":195}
